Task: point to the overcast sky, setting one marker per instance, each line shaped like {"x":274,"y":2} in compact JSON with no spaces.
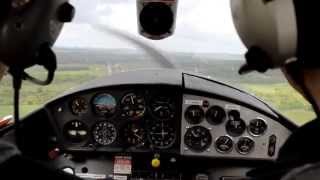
{"x":202,"y":26}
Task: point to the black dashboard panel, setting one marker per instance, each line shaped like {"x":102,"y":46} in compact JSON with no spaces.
{"x":167,"y":111}
{"x":120,"y":119}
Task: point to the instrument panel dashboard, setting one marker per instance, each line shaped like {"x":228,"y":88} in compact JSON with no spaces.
{"x":193,"y":118}
{"x":120,"y":119}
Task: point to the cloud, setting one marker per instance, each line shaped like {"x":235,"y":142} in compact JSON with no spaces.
{"x":202,"y":26}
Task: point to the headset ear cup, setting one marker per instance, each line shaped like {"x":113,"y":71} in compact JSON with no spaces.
{"x":23,"y":32}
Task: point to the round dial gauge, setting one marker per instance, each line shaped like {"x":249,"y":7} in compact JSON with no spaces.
{"x":224,"y":144}
{"x":75,"y":131}
{"x":162,"y":135}
{"x":163,"y":107}
{"x":235,"y":126}
{"x":194,"y":114}
{"x":104,"y":104}
{"x":104,"y":133}
{"x":198,"y":138}
{"x":257,"y":127}
{"x":134,"y":135}
{"x":79,"y":105}
{"x":215,"y":115}
{"x":133,"y":106}
{"x":245,"y":145}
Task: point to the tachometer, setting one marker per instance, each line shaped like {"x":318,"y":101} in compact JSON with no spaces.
{"x":79,"y":105}
{"x":104,"y":104}
{"x":163,"y":107}
{"x":134,"y":135}
{"x":133,"y":106}
{"x":104,"y":133}
{"x":235,"y":125}
{"x":162,"y":134}
{"x":198,"y":138}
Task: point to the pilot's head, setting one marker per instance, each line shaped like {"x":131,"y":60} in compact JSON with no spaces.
{"x":281,"y":34}
{"x":26,"y":26}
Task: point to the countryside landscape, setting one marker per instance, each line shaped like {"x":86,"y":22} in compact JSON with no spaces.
{"x":77,"y":66}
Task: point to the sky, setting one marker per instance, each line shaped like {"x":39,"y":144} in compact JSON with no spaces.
{"x":201,"y":26}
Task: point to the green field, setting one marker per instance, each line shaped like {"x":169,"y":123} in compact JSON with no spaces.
{"x":278,"y":94}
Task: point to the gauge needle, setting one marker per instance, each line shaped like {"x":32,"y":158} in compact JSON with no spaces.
{"x":139,"y":137}
{"x":132,"y":101}
{"x":157,"y":109}
{"x":194,"y":134}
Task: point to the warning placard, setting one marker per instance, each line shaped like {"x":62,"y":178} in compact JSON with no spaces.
{"x":122,"y":165}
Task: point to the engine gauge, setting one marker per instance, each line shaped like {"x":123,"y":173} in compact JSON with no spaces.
{"x":194,"y":114}
{"x":198,"y":138}
{"x":235,"y":125}
{"x":104,"y":133}
{"x":134,"y":135}
{"x":75,"y":131}
{"x":104,"y":104}
{"x":215,"y":115}
{"x":245,"y":145}
{"x":133,"y":106}
{"x":162,"y":134}
{"x":257,"y":127}
{"x":163,"y":107}
{"x":79,"y":105}
{"x":224,"y":144}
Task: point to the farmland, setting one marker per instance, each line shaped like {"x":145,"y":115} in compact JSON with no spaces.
{"x":79,"y":66}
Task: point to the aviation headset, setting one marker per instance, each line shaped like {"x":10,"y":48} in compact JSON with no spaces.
{"x":29,"y":28}
{"x":277,"y":32}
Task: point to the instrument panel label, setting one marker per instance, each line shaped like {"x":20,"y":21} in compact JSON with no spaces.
{"x":193,"y":102}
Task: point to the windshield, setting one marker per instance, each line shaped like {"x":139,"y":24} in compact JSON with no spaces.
{"x":205,"y":42}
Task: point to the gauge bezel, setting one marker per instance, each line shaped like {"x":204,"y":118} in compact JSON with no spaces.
{"x":144,"y":104}
{"x":141,"y":127}
{"x":113,"y":139}
{"x":224,"y":152}
{"x":171,"y":125}
{"x":104,"y":114}
{"x":232,"y":134}
{"x":257,"y":135}
{"x":73,"y":100}
{"x":151,"y":112}
{"x":191,"y":148}
{"x":212,"y":123}
{"x":190,"y":121}
{"x":245,"y":153}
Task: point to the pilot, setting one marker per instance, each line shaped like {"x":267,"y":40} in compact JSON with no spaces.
{"x":281,"y":34}
{"x":286,"y":50}
{"x":23,"y":30}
